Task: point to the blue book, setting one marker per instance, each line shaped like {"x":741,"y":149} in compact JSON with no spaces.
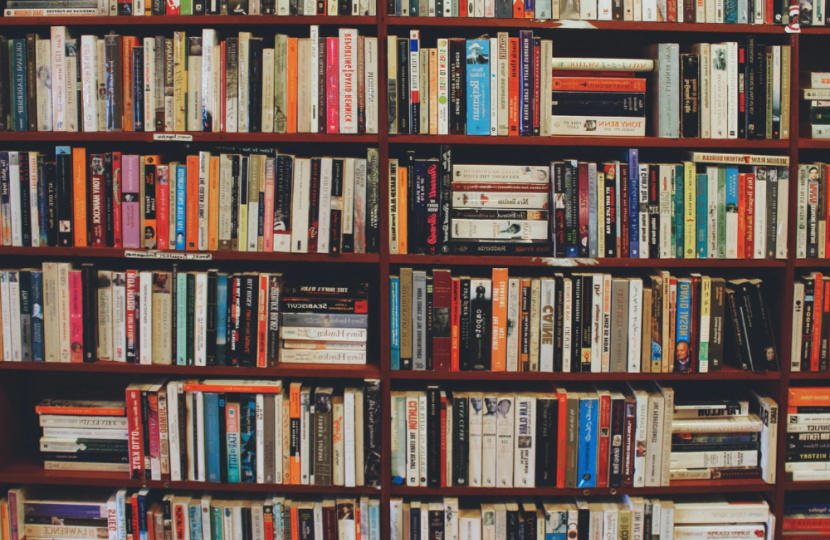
{"x":212,"y":437}
{"x":20,"y":119}
{"x":395,"y":309}
{"x":730,"y":11}
{"x":700,"y":215}
{"x":683,"y":347}
{"x":478,"y":86}
{"x":195,"y":520}
{"x":530,"y":9}
{"x":634,"y":203}
{"x":36,"y":298}
{"x":181,"y":207}
{"x":678,"y":193}
{"x":586,"y":468}
{"x":233,"y":443}
{"x":525,"y":82}
{"x":221,"y":318}
{"x":279,"y":523}
{"x":247,"y":438}
{"x":141,"y":498}
{"x":374,"y":522}
{"x":181,"y":319}
{"x":731,"y":209}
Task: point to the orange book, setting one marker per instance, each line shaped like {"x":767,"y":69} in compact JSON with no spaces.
{"x":233,"y":386}
{"x":455,"y":314}
{"x":809,"y":396}
{"x":294,"y":415}
{"x":513,"y":87}
{"x":402,"y":213}
{"x":79,"y":196}
{"x":128,"y":44}
{"x":561,"y":436}
{"x":291,"y":87}
{"x":213,"y":202}
{"x":262,"y":322}
{"x":150,"y":197}
{"x":192,"y":204}
{"x":498,"y":358}
{"x":518,"y":9}
{"x":81,"y":408}
{"x":295,"y":522}
{"x":598,"y":84}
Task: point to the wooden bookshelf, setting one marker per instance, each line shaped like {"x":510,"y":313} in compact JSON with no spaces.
{"x":17,"y":468}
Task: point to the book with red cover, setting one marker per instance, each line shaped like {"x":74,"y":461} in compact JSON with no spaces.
{"x":441,"y":319}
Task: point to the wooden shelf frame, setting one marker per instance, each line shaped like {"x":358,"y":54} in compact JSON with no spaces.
{"x":14,"y":470}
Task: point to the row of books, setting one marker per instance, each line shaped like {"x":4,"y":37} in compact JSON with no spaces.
{"x":626,"y":435}
{"x":590,"y":323}
{"x":190,"y":83}
{"x":808,"y":434}
{"x":237,"y":202}
{"x":815,"y":91}
{"x":61,"y":314}
{"x":99,"y":8}
{"x":33,"y":511}
{"x":695,"y":518}
{"x":714,"y":206}
{"x":731,"y":12}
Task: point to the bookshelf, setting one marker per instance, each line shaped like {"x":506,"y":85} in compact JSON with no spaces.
{"x":17,"y":379}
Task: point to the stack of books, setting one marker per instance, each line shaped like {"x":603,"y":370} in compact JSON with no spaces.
{"x":76,"y":515}
{"x":715,"y":438}
{"x":590,"y":323}
{"x":328,"y":324}
{"x":808,"y":434}
{"x":247,"y":431}
{"x":159,"y":84}
{"x":83,"y":436}
{"x":186,"y":318}
{"x":804,"y":520}
{"x":815,"y":87}
{"x":812,"y":237}
{"x":621,"y":435}
{"x":723,"y":516}
{"x":267,"y":201}
{"x":711,"y":206}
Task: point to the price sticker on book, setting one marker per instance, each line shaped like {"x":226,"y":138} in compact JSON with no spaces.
{"x":180,"y":137}
{"x":165,"y":255}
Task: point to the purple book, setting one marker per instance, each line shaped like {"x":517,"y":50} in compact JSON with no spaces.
{"x":130,"y":204}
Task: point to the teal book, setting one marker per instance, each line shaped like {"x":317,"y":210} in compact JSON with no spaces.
{"x":721,"y":212}
{"x":17,"y":50}
{"x":217,"y":529}
{"x":478,"y":86}
{"x":279,"y":524}
{"x":374,"y":522}
{"x":702,"y":221}
{"x":212,"y":436}
{"x":195,"y":519}
{"x":181,"y":319}
{"x":732,"y":212}
{"x":395,"y":322}
{"x":683,"y":346}
{"x":679,"y":208}
{"x":221,"y":319}
{"x":730,"y":11}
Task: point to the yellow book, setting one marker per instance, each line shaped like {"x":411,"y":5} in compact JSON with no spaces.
{"x":690,"y":209}
{"x":179,"y":81}
{"x":79,"y":196}
{"x":213,"y":200}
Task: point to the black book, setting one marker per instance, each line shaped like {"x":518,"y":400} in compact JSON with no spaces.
{"x":255,"y":92}
{"x":458,"y":87}
{"x":344,"y":7}
{"x":615,"y":458}
{"x":529,"y":518}
{"x":433,"y":207}
{"x":5,"y":86}
{"x":558,"y":322}
{"x":653,"y":211}
{"x":269,"y":7}
{"x":372,"y":417}
{"x":587,"y":330}
{"x":512,"y":515}
{"x":480,"y":324}
{"x":199,"y":7}
{"x":25,"y":200}
{"x":415,"y":521}
{"x":760,"y":92}
{"x":31,"y":81}
{"x":546,"y":441}
{"x":404,"y":118}
{"x":772,"y":211}
{"x":766,"y":333}
{"x":735,"y":334}
{"x":742,"y":90}
{"x":583,"y":523}
{"x":610,"y":225}
{"x":109,"y":201}
{"x":445,"y":198}
{"x":576,"y":326}
{"x":461,"y":440}
{"x":557,"y":220}
{"x":430,"y":304}
{"x":418,"y":233}
{"x":433,"y":436}
{"x":159,"y":7}
{"x":212,"y":317}
{"x":690,"y":96}
{"x":191,"y":317}
{"x":571,"y":175}
{"x":91,"y":281}
{"x":504,"y":10}
{"x":282,"y":193}
{"x":174,"y":313}
{"x":138,"y":89}
{"x":464,"y":330}
{"x":335,"y":225}
{"x":314,"y":206}
{"x":392,"y":8}
{"x":63,"y":177}
{"x":436,"y":524}
{"x":626,"y":104}
{"x":716,"y":320}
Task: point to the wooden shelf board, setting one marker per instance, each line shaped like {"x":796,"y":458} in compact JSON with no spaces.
{"x":629,"y":142}
{"x":282,"y":370}
{"x":812,"y":263}
{"x":676,"y":488}
{"x":584,"y":25}
{"x":179,"y":20}
{"x":583,"y":264}
{"x":230,"y":138}
{"x":728,"y":374}
{"x":806,"y":375}
{"x":807,"y":486}
{"x":113,"y":253}
{"x":33,"y":473}
{"x":814,"y":143}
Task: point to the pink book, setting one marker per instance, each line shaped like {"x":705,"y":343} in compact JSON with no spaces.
{"x":333,"y":79}
{"x":76,"y":316}
{"x":130,"y":205}
{"x":163,"y":206}
{"x":116,"y":199}
{"x":268,"y":212}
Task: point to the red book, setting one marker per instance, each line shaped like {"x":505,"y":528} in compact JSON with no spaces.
{"x":116,"y":199}
{"x":76,"y":316}
{"x":561,"y":436}
{"x":134,"y":511}
{"x":741,"y":215}
{"x":97,"y":206}
{"x":462,"y":8}
{"x":441,"y":328}
{"x":136,"y":439}
{"x":332,"y":93}
{"x":163,"y":206}
{"x":817,"y":311}
{"x":584,"y":211}
{"x":749,"y":241}
{"x":603,"y":447}
{"x":597,"y":84}
{"x":537,"y":69}
{"x":671,"y":11}
{"x":518,"y":9}
{"x":513,"y":88}
{"x":456,"y":322}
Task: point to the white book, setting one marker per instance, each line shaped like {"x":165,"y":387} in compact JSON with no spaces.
{"x":781,"y":223}
{"x":718,"y":91}
{"x":494,"y":89}
{"x":243,"y":83}
{"x":637,"y":507}
{"x":145,"y":287}
{"x":768,"y":412}
{"x":712,"y":213}
{"x":371,"y":83}
{"x":524,"y":448}
{"x":194,"y":92}
{"x":173,"y":431}
{"x":489,"y":441}
{"x":635,"y":316}
{"x":654,"y":439}
{"x":5,"y":298}
{"x":505,"y":444}
{"x":216,"y":99}
{"x":65,"y":350}
{"x":545,"y":127}
{"x":566,"y":327}
{"x":314,"y":36}
{"x":208,"y":95}
{"x":299,"y":205}
{"x":641,"y":397}
{"x":44,"y":93}
{"x":666,"y":519}
{"x":650,"y":11}
{"x":443,"y":86}
{"x":513,"y":292}
{"x":665,"y":188}
{"x":798,"y":319}
{"x":14,"y":197}
{"x":348,"y":199}
{"x":324,"y":203}
{"x":732,"y":86}
{"x":547,"y":310}
{"x":259,"y":410}
{"x":349,"y":463}
{"x":200,"y":325}
{"x":34,"y":210}
{"x":588,"y":9}
{"x":760,"y":236}
{"x":474,"y":425}
{"x":595,"y":316}
{"x":422,"y":438}
{"x":149,"y":78}
{"x":58,"y":42}
{"x":89,"y":83}
{"x":644,"y":221}
{"x":451,"y":518}
{"x":348,"y":80}
{"x":412,"y":444}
